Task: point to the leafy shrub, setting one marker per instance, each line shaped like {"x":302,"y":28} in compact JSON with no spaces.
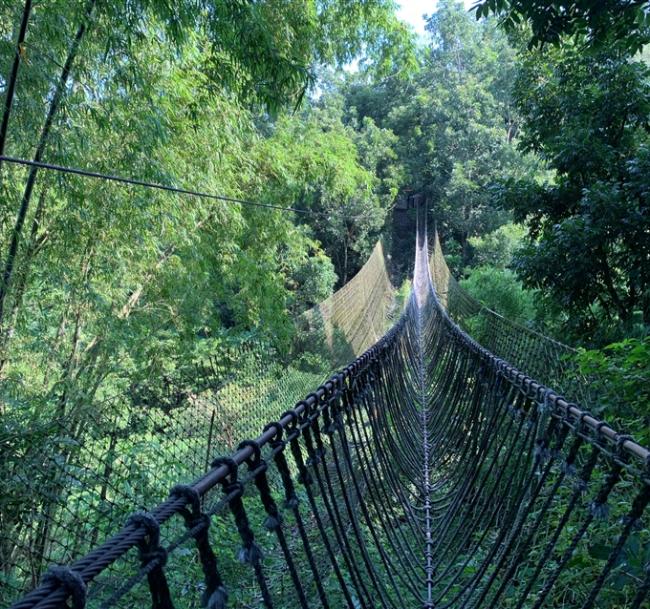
{"x":501,"y":291}
{"x":620,"y":376}
{"x":497,"y":248}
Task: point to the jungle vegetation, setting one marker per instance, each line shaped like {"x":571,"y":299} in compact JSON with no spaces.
{"x":528,"y":132}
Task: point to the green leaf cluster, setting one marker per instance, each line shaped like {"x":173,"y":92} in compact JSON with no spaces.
{"x":585,"y":116}
{"x":602,"y":23}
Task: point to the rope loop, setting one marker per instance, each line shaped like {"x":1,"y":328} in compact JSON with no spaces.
{"x":581,"y":426}
{"x":230,"y":463}
{"x":338,"y":388}
{"x":255,"y":460}
{"x":621,"y":439}
{"x":621,"y":455}
{"x":314,"y":409}
{"x":150,"y":525}
{"x":71,"y":581}
{"x":196,"y":521}
{"x":292,"y":425}
{"x":544,"y":400}
{"x":230,"y":483}
{"x":189,"y":493}
{"x":304,"y":419}
{"x":328,"y":424}
{"x":527,"y":387}
{"x":153,"y":558}
{"x":198,"y":525}
{"x":328,"y":388}
{"x":600,"y":438}
{"x":276,"y":441}
{"x":567,"y":417}
{"x":234,"y":490}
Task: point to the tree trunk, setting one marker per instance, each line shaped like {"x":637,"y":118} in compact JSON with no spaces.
{"x":36,"y":243}
{"x":57,"y":96}
{"x":13,"y":77}
{"x":67,"y":373}
{"x":106,"y":474}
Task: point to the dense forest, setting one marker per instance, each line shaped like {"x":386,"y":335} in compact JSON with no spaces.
{"x":301,"y":129}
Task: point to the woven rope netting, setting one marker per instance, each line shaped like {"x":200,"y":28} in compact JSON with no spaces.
{"x":427,"y":473}
{"x":92,"y":467}
{"x":549,"y":361}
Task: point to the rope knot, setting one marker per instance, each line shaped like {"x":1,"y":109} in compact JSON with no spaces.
{"x":334,"y":400}
{"x":230,"y":484}
{"x":276,"y":441}
{"x":158,"y":554}
{"x":292,"y":502}
{"x":304,"y":478}
{"x":71,"y":581}
{"x":255,"y":460}
{"x":273,"y":522}
{"x":599,"y":432}
{"x":292,"y":425}
{"x":599,"y":510}
{"x":250,"y":555}
{"x":544,"y":398}
{"x":218,"y":599}
{"x":621,"y":439}
{"x":581,"y":424}
{"x":149,"y":524}
{"x":313,"y":410}
{"x":569,"y":469}
{"x":304,"y":419}
{"x":541,"y":453}
{"x":314,"y":460}
{"x":189,"y":493}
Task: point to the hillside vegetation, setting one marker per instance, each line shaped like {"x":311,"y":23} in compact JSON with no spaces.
{"x":299,"y":125}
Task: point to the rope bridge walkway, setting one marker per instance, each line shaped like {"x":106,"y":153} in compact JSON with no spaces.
{"x":429,"y":472}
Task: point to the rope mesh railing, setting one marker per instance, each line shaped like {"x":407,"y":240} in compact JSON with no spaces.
{"x":89,"y":467}
{"x":543,"y":358}
{"x":427,"y":473}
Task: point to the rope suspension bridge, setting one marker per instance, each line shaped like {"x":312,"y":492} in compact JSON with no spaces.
{"x":429,"y":472}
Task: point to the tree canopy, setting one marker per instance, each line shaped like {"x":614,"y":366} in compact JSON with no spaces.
{"x":525,"y":130}
{"x":586,"y":117}
{"x":597,"y":23}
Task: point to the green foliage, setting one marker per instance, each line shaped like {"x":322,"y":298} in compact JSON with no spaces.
{"x":586,"y":115}
{"x":314,"y":281}
{"x":625,"y":23}
{"x":347,"y":174}
{"x":620,"y":375}
{"x":496,"y":249}
{"x":265,"y":51}
{"x":454,"y":121}
{"x":500,"y":290}
{"x":402,"y":296}
{"x":121,"y":298}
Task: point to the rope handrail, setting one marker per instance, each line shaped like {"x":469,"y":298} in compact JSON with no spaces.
{"x":350,"y":444}
{"x":130,"y":535}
